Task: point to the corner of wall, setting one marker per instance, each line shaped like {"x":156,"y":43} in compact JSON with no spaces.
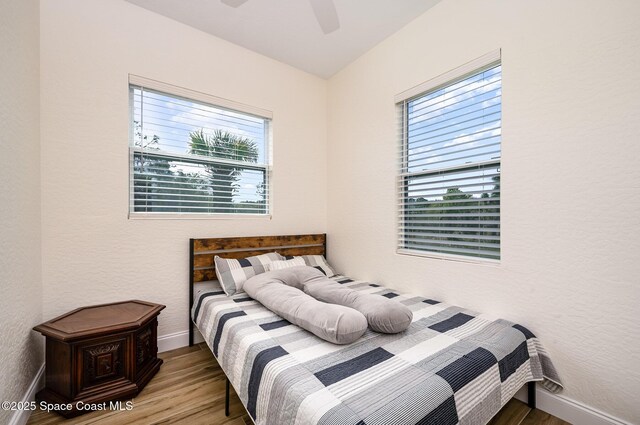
{"x":21,"y":352}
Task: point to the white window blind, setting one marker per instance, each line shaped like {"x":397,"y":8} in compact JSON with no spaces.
{"x":189,"y":155}
{"x":449,"y":181}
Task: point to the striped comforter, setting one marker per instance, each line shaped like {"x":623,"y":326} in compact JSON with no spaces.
{"x":451,"y":366}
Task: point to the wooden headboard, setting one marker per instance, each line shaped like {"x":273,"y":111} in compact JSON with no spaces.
{"x":203,"y":251}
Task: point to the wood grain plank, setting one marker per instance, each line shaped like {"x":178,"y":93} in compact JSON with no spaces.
{"x":178,"y":352}
{"x":511,"y":414}
{"x":204,"y":275}
{"x":205,"y":250}
{"x":221,"y":244}
{"x":206,"y":260}
{"x":538,"y":417}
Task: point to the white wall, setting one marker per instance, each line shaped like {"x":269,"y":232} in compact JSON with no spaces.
{"x":570,"y":188}
{"x":21,"y":351}
{"x":91,"y":252}
{"x":570,"y":234}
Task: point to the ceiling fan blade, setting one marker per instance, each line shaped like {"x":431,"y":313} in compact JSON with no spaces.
{"x":326,"y":14}
{"x":234,"y":3}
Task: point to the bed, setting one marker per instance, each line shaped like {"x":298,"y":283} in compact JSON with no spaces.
{"x":452,"y":366}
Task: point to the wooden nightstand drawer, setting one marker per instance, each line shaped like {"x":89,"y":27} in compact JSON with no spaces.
{"x":102,"y":362}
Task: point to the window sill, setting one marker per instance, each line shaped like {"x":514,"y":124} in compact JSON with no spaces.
{"x":449,"y":257}
{"x":172,"y":216}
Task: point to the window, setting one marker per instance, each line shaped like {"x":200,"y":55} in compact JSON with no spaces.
{"x":450,"y":164}
{"x":195,"y":154}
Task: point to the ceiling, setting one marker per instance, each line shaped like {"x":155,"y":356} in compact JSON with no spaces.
{"x":287,"y":30}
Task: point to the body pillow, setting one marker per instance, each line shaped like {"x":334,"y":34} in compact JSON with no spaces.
{"x":285,"y":264}
{"x":333,"y":323}
{"x":383,"y":314}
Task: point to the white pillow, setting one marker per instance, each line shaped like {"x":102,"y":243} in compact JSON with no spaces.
{"x":317,"y":262}
{"x":285,"y":264}
{"x":232,"y":273}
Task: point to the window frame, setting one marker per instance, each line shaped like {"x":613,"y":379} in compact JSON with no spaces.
{"x":218,"y":102}
{"x":481,"y":64}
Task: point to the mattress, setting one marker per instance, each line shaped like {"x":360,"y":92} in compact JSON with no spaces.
{"x":451,"y":366}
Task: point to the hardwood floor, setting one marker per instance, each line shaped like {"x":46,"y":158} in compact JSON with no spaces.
{"x":189,"y":388}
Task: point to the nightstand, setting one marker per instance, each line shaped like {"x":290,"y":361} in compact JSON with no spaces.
{"x":99,"y":354}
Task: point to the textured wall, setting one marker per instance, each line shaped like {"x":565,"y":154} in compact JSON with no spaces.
{"x":91,"y":252}
{"x":21,"y":351}
{"x":570,"y":186}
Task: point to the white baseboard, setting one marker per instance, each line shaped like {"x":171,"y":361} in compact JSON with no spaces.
{"x":570,"y":410}
{"x":20,"y":417}
{"x":176,"y":340}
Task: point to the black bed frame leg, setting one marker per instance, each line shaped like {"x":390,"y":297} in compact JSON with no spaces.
{"x":531,"y":394}
{"x":226,"y":399}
